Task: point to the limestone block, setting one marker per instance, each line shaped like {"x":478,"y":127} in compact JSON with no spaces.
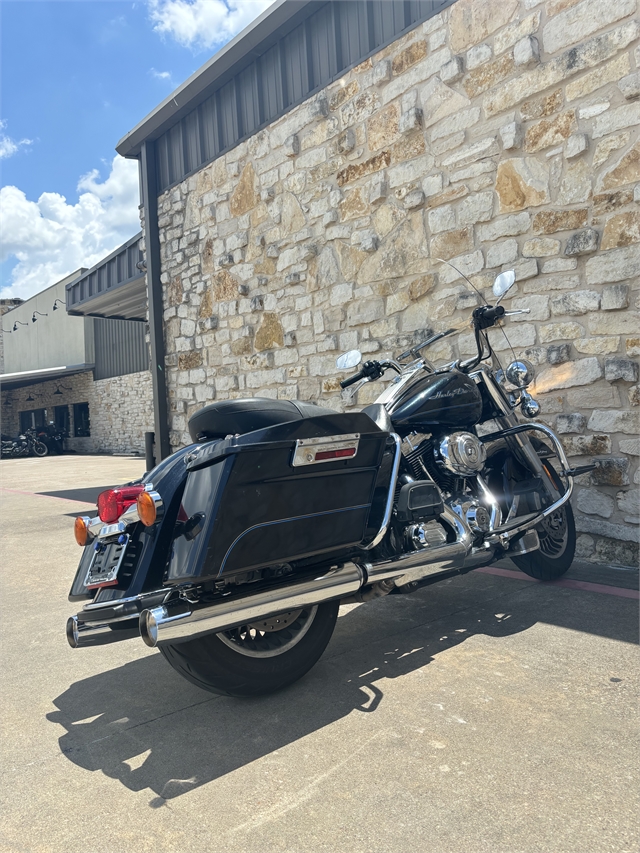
{"x":636,"y":193}
{"x":365,"y":311}
{"x":369,"y":241}
{"x":513,"y":33}
{"x":421,"y":71}
{"x":559,"y":265}
{"x":507,"y":226}
{"x":470,"y":153}
{"x":540,"y":247}
{"x":616,"y":551}
{"x":519,"y":337}
{"x":582,"y":242}
{"x":407,"y":57}
{"x":575,"y":145}
{"x":609,"y":73}
{"x":381,"y":72}
{"x":526,"y":52}
{"x":597,"y":346}
{"x":406,"y":173}
{"x":626,"y":170}
{"x":630,"y":85}
{"x":585,"y":546}
{"x":537,"y":305}
{"x":461,"y":120}
{"x":576,"y":23}
{"x":615,"y":421}
{"x":377,"y":188}
{"x":620,"y":368}
{"x":452,"y":71}
{"x":291,"y":145}
{"x":570,"y":423}
{"x":560,"y":332}
{"x":477,"y":207}
{"x":472,"y":21}
{"x":545,"y":105}
{"x":478,"y":55}
{"x":616,"y":119}
{"x":502,"y":253}
{"x":615,"y":297}
{"x":576,"y":303}
{"x":360,"y":170}
{"x":592,"y":110}
{"x":329,"y":218}
{"x":621,"y":230}
{"x":614,"y":265}
{"x":511,"y":135}
{"x":593,"y":502}
{"x":584,"y":371}
{"x":634,"y":395}
{"x":576,"y":184}
{"x":613,"y":471}
{"x":630,"y":446}
{"x":550,"y":131}
{"x":598,"y":395}
{"x":413,"y":200}
{"x":432,"y":185}
{"x":559,"y":353}
{"x":525,"y":268}
{"x":629,"y":505}
{"x":442,"y":219}
{"x":411,"y":120}
{"x":522,"y":183}
{"x":486,"y":76}
{"x":397,"y":302}
{"x":469,"y":264}
{"x":452,"y":243}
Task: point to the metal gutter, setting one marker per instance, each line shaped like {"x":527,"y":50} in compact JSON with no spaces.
{"x":283,"y":15}
{"x":10,"y":381}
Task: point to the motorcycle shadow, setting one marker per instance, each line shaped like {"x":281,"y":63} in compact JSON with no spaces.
{"x":143,"y":725}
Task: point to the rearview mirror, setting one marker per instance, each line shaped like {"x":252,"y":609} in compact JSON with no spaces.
{"x":349,"y":359}
{"x":503,"y":283}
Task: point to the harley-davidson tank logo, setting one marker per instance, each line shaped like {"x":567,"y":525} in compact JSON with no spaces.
{"x":455,"y":392}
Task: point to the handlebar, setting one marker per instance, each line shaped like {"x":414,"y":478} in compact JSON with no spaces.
{"x":352,"y":379}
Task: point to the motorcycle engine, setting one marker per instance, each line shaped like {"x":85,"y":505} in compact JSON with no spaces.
{"x":461,"y":453}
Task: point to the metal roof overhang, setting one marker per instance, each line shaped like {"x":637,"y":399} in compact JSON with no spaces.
{"x":113,"y":289}
{"x":274,"y":22}
{"x":11,"y":381}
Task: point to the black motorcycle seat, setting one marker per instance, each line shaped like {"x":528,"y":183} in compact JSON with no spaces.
{"x":237,"y":417}
{"x":379,"y":415}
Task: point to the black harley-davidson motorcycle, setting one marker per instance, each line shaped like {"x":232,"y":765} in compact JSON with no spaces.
{"x":26,"y":444}
{"x":232,"y":556}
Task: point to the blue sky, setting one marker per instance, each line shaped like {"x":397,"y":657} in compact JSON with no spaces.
{"x":76,"y":76}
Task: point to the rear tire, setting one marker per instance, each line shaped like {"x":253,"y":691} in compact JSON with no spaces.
{"x":557,"y":535}
{"x":244,"y":663}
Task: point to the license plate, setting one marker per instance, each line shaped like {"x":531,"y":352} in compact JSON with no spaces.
{"x":105,"y":565}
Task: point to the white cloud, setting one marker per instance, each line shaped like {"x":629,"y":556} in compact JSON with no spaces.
{"x":204,"y":23}
{"x":164,"y":76}
{"x":9,"y":146}
{"x":51,"y":238}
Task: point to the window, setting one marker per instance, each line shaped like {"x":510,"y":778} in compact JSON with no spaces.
{"x":81,"y":422}
{"x":62,"y":419}
{"x":33,"y":419}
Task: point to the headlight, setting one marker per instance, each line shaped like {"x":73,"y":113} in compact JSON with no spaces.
{"x":520,"y":373}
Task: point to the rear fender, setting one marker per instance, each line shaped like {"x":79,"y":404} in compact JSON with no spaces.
{"x":148,"y":549}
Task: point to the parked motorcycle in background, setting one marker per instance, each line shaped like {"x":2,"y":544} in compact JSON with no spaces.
{"x":26,"y":444}
{"x":232,"y":556}
{"x":52,"y":437}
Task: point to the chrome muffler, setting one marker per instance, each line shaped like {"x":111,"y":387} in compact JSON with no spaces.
{"x":160,"y":625}
{"x":83,"y":634}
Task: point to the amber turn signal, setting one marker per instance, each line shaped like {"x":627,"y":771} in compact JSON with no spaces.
{"x":147,"y":509}
{"x":81,"y":530}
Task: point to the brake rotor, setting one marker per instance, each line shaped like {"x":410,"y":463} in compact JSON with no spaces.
{"x":278,"y":622}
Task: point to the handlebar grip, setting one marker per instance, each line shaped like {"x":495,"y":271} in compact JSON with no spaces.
{"x":352,"y":379}
{"x":495,"y":313}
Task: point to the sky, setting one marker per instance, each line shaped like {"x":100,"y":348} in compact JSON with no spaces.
{"x":75,"y":76}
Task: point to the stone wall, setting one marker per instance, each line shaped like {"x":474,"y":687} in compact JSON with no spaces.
{"x":497,"y":135}
{"x":5,"y":306}
{"x":120,"y":410}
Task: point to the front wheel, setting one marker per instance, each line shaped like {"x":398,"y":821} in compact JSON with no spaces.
{"x":259,"y":658}
{"x":40,"y":449}
{"x":557,"y":535}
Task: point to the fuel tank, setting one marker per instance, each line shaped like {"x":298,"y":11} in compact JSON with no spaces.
{"x":447,"y":400}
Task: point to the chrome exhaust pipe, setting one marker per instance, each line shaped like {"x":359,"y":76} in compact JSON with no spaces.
{"x":428,"y":561}
{"x":160,"y":625}
{"x":83,"y":634}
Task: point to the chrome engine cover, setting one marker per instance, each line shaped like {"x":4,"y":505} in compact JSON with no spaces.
{"x":462,"y":453}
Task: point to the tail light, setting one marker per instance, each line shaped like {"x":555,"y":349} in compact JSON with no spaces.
{"x":113,"y":502}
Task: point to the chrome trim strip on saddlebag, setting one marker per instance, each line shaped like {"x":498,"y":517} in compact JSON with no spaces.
{"x":392,"y":490}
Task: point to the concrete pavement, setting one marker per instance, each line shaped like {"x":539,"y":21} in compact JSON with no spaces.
{"x":486,"y":713}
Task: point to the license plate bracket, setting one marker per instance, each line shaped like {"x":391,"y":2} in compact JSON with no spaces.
{"x":105,"y":565}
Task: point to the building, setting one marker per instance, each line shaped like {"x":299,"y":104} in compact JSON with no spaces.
{"x":299,"y":188}
{"x":88,"y":375}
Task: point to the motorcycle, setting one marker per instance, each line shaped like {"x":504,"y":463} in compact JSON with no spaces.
{"x":26,"y":444}
{"x":52,"y":437}
{"x":233,"y":555}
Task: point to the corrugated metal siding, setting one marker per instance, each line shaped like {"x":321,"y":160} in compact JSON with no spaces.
{"x":120,"y":348}
{"x":339,"y":35}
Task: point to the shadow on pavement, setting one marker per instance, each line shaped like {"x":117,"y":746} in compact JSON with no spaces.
{"x":143,"y":725}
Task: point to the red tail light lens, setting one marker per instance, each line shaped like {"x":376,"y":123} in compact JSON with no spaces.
{"x":113,"y":502}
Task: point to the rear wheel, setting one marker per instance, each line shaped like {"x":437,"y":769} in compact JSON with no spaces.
{"x":259,"y":658}
{"x":557,"y":535}
{"x":40,"y":449}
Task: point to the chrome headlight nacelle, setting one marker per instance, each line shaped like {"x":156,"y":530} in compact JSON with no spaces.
{"x":462,"y":453}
